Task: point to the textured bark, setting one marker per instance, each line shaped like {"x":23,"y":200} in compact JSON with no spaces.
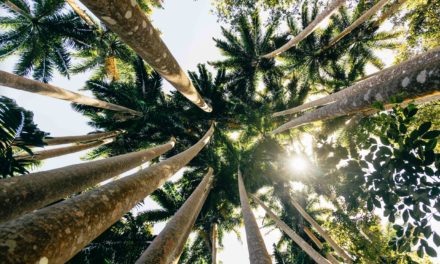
{"x":166,"y":243}
{"x":295,"y":237}
{"x":214,"y":243}
{"x":17,"y":9}
{"x":80,"y":12}
{"x":359,"y":21}
{"x":56,"y":233}
{"x":313,"y":237}
{"x":24,"y":194}
{"x":126,"y":19}
{"x":321,"y":231}
{"x":331,"y":258}
{"x":388,"y":13}
{"x":52,"y":153}
{"x":404,"y":104}
{"x":27,"y":85}
{"x":332,"y":7}
{"x":256,"y":247}
{"x":382,"y":76}
{"x":418,"y":83}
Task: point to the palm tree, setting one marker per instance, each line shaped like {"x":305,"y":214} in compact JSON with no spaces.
{"x":41,"y":36}
{"x":244,"y":53}
{"x":81,"y":13}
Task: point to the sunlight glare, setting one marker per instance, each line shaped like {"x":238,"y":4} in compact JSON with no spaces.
{"x":234,"y":135}
{"x":298,"y":164}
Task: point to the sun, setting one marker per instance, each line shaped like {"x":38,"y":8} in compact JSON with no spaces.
{"x":234,"y":135}
{"x":298,"y":164}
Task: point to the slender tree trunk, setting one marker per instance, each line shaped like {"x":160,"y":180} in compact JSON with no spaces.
{"x":295,"y":237}
{"x":359,"y":21}
{"x":388,"y":13}
{"x":53,"y":153}
{"x":27,"y":85}
{"x":63,"y":229}
{"x":405,"y":104}
{"x":80,"y":13}
{"x":126,"y":19}
{"x":27,"y":193}
{"x":332,"y":243}
{"x":419,"y":83}
{"x":380,"y":77}
{"x":256,"y":247}
{"x":17,"y":9}
{"x":167,"y":242}
{"x":214,"y":243}
{"x":332,"y":7}
{"x":318,"y":243}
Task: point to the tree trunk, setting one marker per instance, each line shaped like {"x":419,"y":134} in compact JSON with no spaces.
{"x":214,"y":243}
{"x":419,"y":83}
{"x":405,"y":104}
{"x":321,"y":231}
{"x":359,"y":21}
{"x":27,"y":85}
{"x":80,"y":13}
{"x":388,"y":13}
{"x":52,"y":153}
{"x":333,"y":6}
{"x":256,"y":247}
{"x":381,"y":77}
{"x":17,"y":9}
{"x":318,"y":243}
{"x":167,"y":242}
{"x":295,"y":237}
{"x":126,"y":19}
{"x":27,"y":193}
{"x":63,"y":229}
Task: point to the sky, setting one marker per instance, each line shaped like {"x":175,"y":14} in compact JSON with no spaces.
{"x":188,"y":31}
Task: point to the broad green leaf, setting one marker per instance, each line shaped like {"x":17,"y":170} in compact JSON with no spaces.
{"x":431,"y":134}
{"x":424,"y":128}
{"x":430,"y":251}
{"x":436,"y":239}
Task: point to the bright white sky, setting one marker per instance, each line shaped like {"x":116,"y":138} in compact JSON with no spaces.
{"x":188,"y":31}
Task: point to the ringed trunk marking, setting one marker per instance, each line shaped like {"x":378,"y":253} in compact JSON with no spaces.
{"x":295,"y":237}
{"x":166,"y":244}
{"x":46,"y":187}
{"x":86,"y":216}
{"x":122,"y":17}
{"x":256,"y":247}
{"x":27,"y":85}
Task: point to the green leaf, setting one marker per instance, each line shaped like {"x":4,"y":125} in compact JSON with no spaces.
{"x":431,"y":134}
{"x":424,"y":128}
{"x":436,"y":239}
{"x":397,"y":227}
{"x":403,"y":129}
{"x":431,"y":144}
{"x":427,"y":232}
{"x":405,"y":216}
{"x":437,"y":218}
{"x":384,"y":140}
{"x":420,"y":252}
{"x":414,"y":135}
{"x":413,"y":112}
{"x":370,"y":205}
{"x":430,"y":251}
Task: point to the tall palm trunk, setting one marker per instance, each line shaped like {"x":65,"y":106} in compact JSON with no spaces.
{"x":405,"y":104}
{"x":419,"y":83}
{"x":256,"y":247}
{"x":388,"y":13}
{"x":214,"y":243}
{"x":27,"y":193}
{"x":318,"y":243}
{"x":166,"y":243}
{"x":53,"y":153}
{"x":295,"y":237}
{"x":332,"y":7}
{"x":17,"y":9}
{"x":359,"y":21}
{"x":381,"y":77}
{"x":27,"y":85}
{"x":80,"y":13}
{"x":126,"y":19}
{"x":61,"y":230}
{"x":321,"y":231}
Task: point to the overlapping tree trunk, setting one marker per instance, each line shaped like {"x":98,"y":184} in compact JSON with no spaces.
{"x":126,"y":19}
{"x":359,"y":21}
{"x":256,"y":247}
{"x":295,"y":237}
{"x":388,"y":13}
{"x":80,"y":12}
{"x":166,"y":243}
{"x":318,"y":243}
{"x":380,"y":77}
{"x":24,"y":194}
{"x":417,"y":84}
{"x":53,"y":153}
{"x":332,"y":7}
{"x":27,"y":85}
{"x":214,"y":243}
{"x":321,"y":231}
{"x":56,"y":233}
